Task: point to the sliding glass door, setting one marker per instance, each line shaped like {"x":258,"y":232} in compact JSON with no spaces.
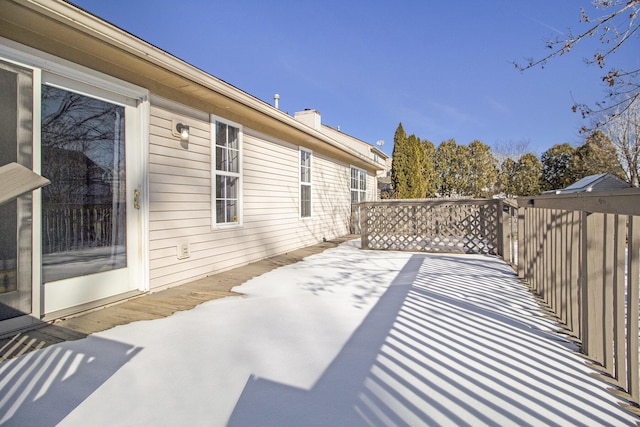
{"x":76,"y":243}
{"x":90,"y":224}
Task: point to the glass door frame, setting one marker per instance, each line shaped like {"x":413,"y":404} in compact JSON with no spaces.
{"x":79,"y":293}
{"x":24,"y":206}
{"x":100,"y":86}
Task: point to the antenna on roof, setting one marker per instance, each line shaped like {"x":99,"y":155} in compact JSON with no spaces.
{"x":380,"y":143}
{"x":276,"y":98}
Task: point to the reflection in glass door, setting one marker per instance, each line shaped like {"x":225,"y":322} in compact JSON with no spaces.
{"x":84,"y":207}
{"x":16,"y":101}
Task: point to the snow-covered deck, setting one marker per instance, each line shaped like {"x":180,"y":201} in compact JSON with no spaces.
{"x":345,"y":337}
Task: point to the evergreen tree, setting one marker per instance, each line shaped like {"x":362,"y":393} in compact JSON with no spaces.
{"x":597,"y":155}
{"x":461,"y":164}
{"x":483,"y":173}
{"x":429,"y":173}
{"x":556,"y":167}
{"x":399,"y":163}
{"x":408,"y":166}
{"x":507,"y":177}
{"x":527,"y":175}
{"x":415,"y":166}
{"x":445,"y":168}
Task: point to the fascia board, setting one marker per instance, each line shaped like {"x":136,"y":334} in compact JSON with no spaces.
{"x":89,"y":24}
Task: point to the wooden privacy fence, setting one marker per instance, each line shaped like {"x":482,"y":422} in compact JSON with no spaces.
{"x":464,"y":226}
{"x":580,"y":254}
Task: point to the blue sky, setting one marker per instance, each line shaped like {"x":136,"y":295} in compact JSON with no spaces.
{"x":443,"y":69}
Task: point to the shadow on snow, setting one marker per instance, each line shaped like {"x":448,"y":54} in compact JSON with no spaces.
{"x":451,"y":341}
{"x":41,"y":388}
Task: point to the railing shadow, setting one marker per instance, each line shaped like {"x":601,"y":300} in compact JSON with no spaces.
{"x":453,"y":341}
{"x":330,"y":401}
{"x":42,"y":387}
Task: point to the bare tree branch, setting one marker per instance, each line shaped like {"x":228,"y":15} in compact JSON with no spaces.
{"x":613,"y":29}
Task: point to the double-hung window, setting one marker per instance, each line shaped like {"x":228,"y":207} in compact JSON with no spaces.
{"x":227,"y":178}
{"x":305,"y":183}
{"x":358,"y":185}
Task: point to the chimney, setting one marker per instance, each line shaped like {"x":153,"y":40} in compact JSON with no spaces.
{"x":309,"y":117}
{"x":276,"y":98}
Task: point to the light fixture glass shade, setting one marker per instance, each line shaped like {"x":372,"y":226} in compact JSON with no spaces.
{"x":183,"y":130}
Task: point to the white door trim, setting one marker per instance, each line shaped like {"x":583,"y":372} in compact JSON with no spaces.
{"x":62,"y":73}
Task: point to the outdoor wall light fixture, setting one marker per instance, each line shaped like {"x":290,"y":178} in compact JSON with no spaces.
{"x":183,"y":131}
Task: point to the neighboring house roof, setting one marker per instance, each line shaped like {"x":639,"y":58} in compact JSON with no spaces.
{"x":313,"y":119}
{"x":592,"y":183}
{"x":66,"y":31}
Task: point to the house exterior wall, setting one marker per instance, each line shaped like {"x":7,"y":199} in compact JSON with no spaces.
{"x":313,"y":119}
{"x":372,"y":188}
{"x":180,"y":199}
{"x":168,"y":182}
{"x":365,"y":150}
{"x":361,"y":147}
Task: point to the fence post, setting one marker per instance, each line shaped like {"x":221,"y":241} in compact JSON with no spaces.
{"x":500,"y":229}
{"x":633,"y":266}
{"x":575,"y":274}
{"x":608,"y":266}
{"x":584,"y":297}
{"x":513,"y":234}
{"x":354,"y":226}
{"x":593,"y":315}
{"x":619,"y":338}
{"x":548,"y":263}
{"x":364,"y":232}
{"x":562,"y":264}
{"x":522,"y":237}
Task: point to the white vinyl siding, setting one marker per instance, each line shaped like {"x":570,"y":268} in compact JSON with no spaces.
{"x":372,"y":187}
{"x":179,"y":193}
{"x":332,"y":201}
{"x":181,"y":198}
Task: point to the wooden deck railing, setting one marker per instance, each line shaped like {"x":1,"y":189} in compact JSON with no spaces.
{"x":76,"y":228}
{"x":581,"y":254}
{"x":438,"y":225}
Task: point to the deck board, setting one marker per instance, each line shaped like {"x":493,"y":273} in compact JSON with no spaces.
{"x":150,"y":306}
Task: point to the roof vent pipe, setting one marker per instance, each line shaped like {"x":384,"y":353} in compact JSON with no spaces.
{"x":276,"y":98}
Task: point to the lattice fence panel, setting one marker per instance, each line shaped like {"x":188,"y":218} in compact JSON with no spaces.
{"x":463,"y":227}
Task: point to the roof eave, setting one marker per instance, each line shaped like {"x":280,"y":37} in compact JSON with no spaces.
{"x":41,"y":24}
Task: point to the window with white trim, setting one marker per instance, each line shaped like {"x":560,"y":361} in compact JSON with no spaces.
{"x":358,"y":185}
{"x":305,"y":183}
{"x":227,"y":177}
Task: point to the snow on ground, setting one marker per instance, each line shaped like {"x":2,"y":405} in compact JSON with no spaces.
{"x":343,"y":338}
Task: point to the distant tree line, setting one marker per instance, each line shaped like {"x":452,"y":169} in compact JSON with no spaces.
{"x":422,"y":170}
